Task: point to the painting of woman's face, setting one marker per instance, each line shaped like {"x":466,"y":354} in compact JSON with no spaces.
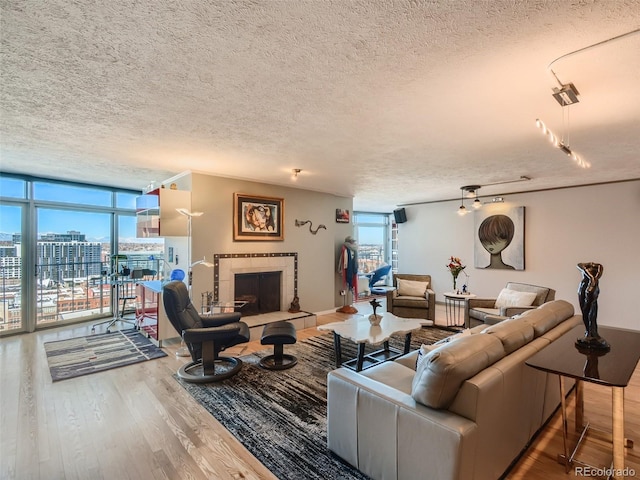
{"x":496,"y":246}
{"x":257,"y":218}
{"x":499,"y":242}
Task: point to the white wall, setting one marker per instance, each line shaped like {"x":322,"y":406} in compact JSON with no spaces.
{"x":318,"y":283}
{"x":562,"y":228}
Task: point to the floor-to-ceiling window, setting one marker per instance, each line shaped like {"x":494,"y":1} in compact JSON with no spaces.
{"x":373,"y":234}
{"x":57,"y":245}
{"x":11,"y":219}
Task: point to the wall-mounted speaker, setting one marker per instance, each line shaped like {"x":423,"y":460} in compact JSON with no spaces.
{"x":400,"y":215}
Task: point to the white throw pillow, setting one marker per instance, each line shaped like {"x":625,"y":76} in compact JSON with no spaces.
{"x":423,"y":351}
{"x":412,"y":288}
{"x":513,"y":298}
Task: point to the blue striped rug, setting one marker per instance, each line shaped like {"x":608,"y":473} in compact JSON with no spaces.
{"x":95,"y":353}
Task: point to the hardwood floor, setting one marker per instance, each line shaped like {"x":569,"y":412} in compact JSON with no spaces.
{"x":137,"y":422}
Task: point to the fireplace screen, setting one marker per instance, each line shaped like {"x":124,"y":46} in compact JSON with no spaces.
{"x":261,"y":291}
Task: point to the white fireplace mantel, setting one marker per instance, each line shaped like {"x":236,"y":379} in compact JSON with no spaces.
{"x":226,"y":266}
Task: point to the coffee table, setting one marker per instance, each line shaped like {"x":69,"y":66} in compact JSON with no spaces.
{"x":359,"y":330}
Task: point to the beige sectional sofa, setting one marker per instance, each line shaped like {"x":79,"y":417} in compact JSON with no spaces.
{"x":466,"y":413}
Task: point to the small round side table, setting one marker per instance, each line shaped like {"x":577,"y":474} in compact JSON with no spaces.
{"x":454,"y":305}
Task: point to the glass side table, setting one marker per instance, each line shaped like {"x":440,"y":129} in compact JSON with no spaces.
{"x":216,"y":307}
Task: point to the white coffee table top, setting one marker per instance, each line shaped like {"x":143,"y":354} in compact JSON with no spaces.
{"x":359,"y":330}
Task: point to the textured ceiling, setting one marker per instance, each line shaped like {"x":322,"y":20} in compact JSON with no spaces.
{"x":392,"y":102}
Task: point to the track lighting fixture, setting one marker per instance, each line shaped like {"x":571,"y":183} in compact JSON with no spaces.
{"x":294,"y":173}
{"x":566,"y":94}
{"x":462,"y":210}
{"x":559,"y":143}
{"x":472,"y":192}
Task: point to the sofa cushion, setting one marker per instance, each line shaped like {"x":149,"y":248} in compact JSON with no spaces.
{"x":411,"y":302}
{"x":480,"y":313}
{"x":392,"y":374}
{"x":541,"y":321}
{"x":437,"y":381}
{"x":560,"y":308}
{"x":513,"y":333}
{"x":513,"y":298}
{"x":412,"y":288}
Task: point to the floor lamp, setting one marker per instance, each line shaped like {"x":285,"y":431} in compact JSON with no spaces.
{"x":183,"y":351}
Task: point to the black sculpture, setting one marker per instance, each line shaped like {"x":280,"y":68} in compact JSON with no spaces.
{"x":295,"y":305}
{"x":375,"y":319}
{"x":375,"y":304}
{"x":588,"y":292}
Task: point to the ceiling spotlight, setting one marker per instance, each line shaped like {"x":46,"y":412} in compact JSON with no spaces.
{"x":294,"y":173}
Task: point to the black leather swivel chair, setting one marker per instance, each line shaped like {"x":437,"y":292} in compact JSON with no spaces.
{"x":205,"y":336}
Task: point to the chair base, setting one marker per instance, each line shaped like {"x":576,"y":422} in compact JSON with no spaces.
{"x":278,"y":362}
{"x":111,"y":322}
{"x":193,"y":372}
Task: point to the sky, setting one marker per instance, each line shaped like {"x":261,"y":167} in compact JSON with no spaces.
{"x":94,"y":225}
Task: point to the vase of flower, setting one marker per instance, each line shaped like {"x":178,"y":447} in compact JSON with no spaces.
{"x":455,"y":266}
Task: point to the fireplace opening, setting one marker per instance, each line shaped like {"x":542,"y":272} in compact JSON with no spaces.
{"x":261,"y":291}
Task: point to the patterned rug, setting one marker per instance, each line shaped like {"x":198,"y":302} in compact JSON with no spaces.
{"x":95,"y":353}
{"x":280,"y":416}
{"x":367,"y":298}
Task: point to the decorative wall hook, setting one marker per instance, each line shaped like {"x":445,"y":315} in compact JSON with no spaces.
{"x":301,"y":223}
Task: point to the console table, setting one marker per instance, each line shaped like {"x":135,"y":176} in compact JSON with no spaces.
{"x":150,"y":315}
{"x":612,"y":369}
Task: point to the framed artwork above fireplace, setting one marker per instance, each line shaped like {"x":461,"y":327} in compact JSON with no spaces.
{"x":257,"y":218}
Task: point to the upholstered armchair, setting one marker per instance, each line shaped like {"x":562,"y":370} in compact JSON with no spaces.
{"x":412,"y":297}
{"x":514,"y":299}
{"x":205,"y":336}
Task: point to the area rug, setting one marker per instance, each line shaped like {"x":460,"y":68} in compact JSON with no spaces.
{"x":281,"y":416}
{"x":95,"y":353}
{"x":367,"y":298}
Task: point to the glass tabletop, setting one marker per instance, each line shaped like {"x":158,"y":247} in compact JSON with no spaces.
{"x":613,"y":368}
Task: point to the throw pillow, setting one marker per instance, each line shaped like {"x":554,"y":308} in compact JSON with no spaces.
{"x":444,"y":370}
{"x":513,"y":298}
{"x":412,"y":288}
{"x":423,"y":351}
